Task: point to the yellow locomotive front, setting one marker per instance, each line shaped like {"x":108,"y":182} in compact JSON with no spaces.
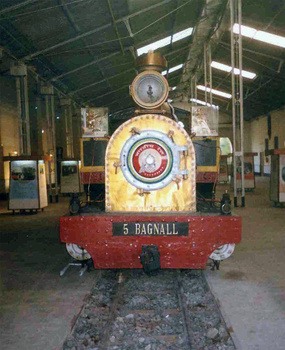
{"x":150,"y":167}
{"x":150,"y":218}
{"x":150,"y":159}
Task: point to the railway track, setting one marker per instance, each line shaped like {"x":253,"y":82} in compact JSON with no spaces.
{"x":130,"y":310}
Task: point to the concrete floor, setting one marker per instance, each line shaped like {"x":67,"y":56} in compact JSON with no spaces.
{"x":38,"y":308}
{"x":251,"y":284}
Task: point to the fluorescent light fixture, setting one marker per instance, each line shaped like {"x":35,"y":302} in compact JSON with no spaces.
{"x":221,"y":66}
{"x":165,"y":41}
{"x":203,"y":103}
{"x":172,"y":69}
{"x":228,"y":69}
{"x":153,"y":46}
{"x":214,"y":91}
{"x":260,"y":35}
{"x":244,"y":73}
{"x":183,"y":34}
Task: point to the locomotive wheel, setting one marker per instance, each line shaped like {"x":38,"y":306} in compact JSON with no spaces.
{"x":223,"y":252}
{"x":77,"y":252}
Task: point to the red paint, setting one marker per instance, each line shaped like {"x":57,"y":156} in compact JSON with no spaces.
{"x":94,"y":233}
{"x":155,"y":151}
{"x":206,"y":176}
{"x":97,"y":177}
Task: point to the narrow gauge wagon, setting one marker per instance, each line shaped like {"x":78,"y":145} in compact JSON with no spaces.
{"x":150,"y":218}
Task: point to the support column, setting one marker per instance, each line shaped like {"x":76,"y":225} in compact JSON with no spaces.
{"x":237,"y":100}
{"x":208,"y":72}
{"x":2,"y":176}
{"x":195,"y":87}
{"x":66,"y":105}
{"x":19,"y":71}
{"x":77,"y":132}
{"x":40,"y":149}
{"x":193,"y":90}
{"x":48,"y":93}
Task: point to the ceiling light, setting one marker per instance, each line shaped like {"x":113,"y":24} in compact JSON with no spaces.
{"x":221,"y":66}
{"x":244,"y":73}
{"x":173,"y":88}
{"x":260,"y":35}
{"x":172,"y":69}
{"x":183,"y":34}
{"x":203,"y":103}
{"x":228,"y":69}
{"x":165,"y":41}
{"x":169,"y":100}
{"x":214,"y":91}
{"x":153,"y":46}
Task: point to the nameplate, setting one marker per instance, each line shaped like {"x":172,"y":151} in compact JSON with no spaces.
{"x":151,"y":229}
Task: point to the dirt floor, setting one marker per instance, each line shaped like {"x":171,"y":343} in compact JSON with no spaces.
{"x":38,"y":307}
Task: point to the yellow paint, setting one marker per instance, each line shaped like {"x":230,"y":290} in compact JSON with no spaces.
{"x":93,"y":169}
{"x":122,"y":196}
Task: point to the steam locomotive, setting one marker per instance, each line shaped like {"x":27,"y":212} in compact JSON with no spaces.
{"x":158,"y":210}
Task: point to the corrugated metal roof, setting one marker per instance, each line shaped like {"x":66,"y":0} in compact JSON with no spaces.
{"x":87,"y":48}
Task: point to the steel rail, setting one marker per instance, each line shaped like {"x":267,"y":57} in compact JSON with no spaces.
{"x":183,"y":307}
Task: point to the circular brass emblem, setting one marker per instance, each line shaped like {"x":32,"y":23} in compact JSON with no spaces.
{"x":150,"y":160}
